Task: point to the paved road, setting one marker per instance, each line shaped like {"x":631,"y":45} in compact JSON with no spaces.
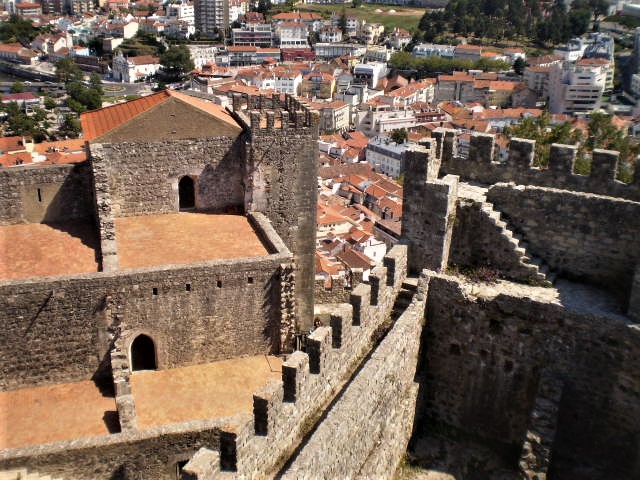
{"x":125,"y":88}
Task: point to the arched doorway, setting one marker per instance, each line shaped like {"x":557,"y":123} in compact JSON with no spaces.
{"x":186,"y":193}
{"x":143,"y":354}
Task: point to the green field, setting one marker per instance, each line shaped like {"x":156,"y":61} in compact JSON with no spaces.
{"x":405,"y":17}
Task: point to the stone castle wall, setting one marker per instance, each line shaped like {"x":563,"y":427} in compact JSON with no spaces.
{"x":429,"y":210}
{"x":366,"y":432}
{"x":480,"y":166}
{"x":282,"y":161}
{"x":61,"y":330}
{"x":499,"y":345}
{"x":582,"y":236}
{"x":142,"y":178}
{"x":46,"y":193}
{"x":283,"y":411}
{"x":152,"y":453}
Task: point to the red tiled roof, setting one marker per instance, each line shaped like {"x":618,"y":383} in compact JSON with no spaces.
{"x":11,"y":144}
{"x":98,"y":122}
{"x":18,"y":97}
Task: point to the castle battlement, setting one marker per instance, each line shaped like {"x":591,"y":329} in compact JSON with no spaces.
{"x":265,"y":113}
{"x":284,"y":411}
{"x":480,"y":165}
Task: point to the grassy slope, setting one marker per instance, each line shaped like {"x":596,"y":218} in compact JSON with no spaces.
{"x":407,"y":18}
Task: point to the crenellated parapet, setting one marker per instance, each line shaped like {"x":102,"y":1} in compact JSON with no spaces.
{"x":482,"y":165}
{"x":265,"y":113}
{"x":284,"y":411}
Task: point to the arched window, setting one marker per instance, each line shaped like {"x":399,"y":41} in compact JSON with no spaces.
{"x":186,"y":193}
{"x":143,"y":354}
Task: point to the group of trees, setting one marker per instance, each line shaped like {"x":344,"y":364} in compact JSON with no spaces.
{"x":511,"y":19}
{"x":176,"y":63}
{"x":82,"y":95}
{"x":602,"y":133}
{"x":16,"y":29}
{"x":425,"y":67}
{"x":19,"y":123}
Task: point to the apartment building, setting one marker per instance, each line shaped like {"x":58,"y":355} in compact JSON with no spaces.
{"x":292,"y":35}
{"x":211,"y":15}
{"x":576,"y":88}
{"x":253,"y":35}
{"x":424,"y":50}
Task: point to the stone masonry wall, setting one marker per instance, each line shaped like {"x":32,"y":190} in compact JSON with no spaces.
{"x":479,"y":240}
{"x":281,"y":183}
{"x":58,"y":330}
{"x":366,"y":432}
{"x":285,"y":411}
{"x":143,"y":177}
{"x":46,"y":193}
{"x":480,"y":166}
{"x":429,"y":210}
{"x":484,"y":355}
{"x":581,"y":236}
{"x":147,"y":454}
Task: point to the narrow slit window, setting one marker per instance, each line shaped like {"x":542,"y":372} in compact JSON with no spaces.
{"x":249,"y":280}
{"x":187,"y":287}
{"x":154,"y":291}
{"x":219,"y":284}
{"x":40,"y":195}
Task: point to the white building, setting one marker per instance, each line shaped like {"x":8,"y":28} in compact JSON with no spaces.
{"x":287,"y":80}
{"x":386,"y":156}
{"x":573,"y":50}
{"x":184,"y":12}
{"x":369,"y":73}
{"x":576,"y":88}
{"x":377,"y":120}
{"x":330,"y":35}
{"x":425,"y":50}
{"x":334,"y":50}
{"x":202,"y":54}
{"x":131,"y":69}
{"x":292,"y":35}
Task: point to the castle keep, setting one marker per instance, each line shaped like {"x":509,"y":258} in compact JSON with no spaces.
{"x":183,"y":249}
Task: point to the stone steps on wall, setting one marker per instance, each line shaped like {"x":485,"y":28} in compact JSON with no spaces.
{"x":23,"y":474}
{"x":405,"y":296}
{"x":536,"y":270}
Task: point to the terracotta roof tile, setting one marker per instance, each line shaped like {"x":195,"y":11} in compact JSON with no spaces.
{"x":98,"y":122}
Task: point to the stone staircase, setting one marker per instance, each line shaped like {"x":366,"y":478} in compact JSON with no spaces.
{"x":535,"y":270}
{"x":404,"y":297}
{"x":519,"y":264}
{"x":23,"y":474}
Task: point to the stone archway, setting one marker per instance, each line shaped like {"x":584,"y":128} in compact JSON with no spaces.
{"x":143,"y":354}
{"x":186,"y":193}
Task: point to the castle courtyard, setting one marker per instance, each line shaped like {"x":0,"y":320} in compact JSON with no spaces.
{"x":66,"y":411}
{"x":41,"y":250}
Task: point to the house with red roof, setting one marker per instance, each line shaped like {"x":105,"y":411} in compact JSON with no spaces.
{"x":132,"y":69}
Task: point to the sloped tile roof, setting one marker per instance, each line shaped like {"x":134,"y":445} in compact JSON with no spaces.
{"x":98,"y":122}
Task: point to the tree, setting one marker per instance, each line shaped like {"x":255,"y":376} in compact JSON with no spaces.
{"x":95,"y":81}
{"x":399,"y":135}
{"x":83,"y":98}
{"x":518,"y":65}
{"x":356,"y":3}
{"x":176,"y":61}
{"x":16,"y":29}
{"x":67,"y":70}
{"x":49,"y":103}
{"x":18,"y":87}
{"x":342,"y":23}
{"x":70,"y":127}
{"x":263,"y":6}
